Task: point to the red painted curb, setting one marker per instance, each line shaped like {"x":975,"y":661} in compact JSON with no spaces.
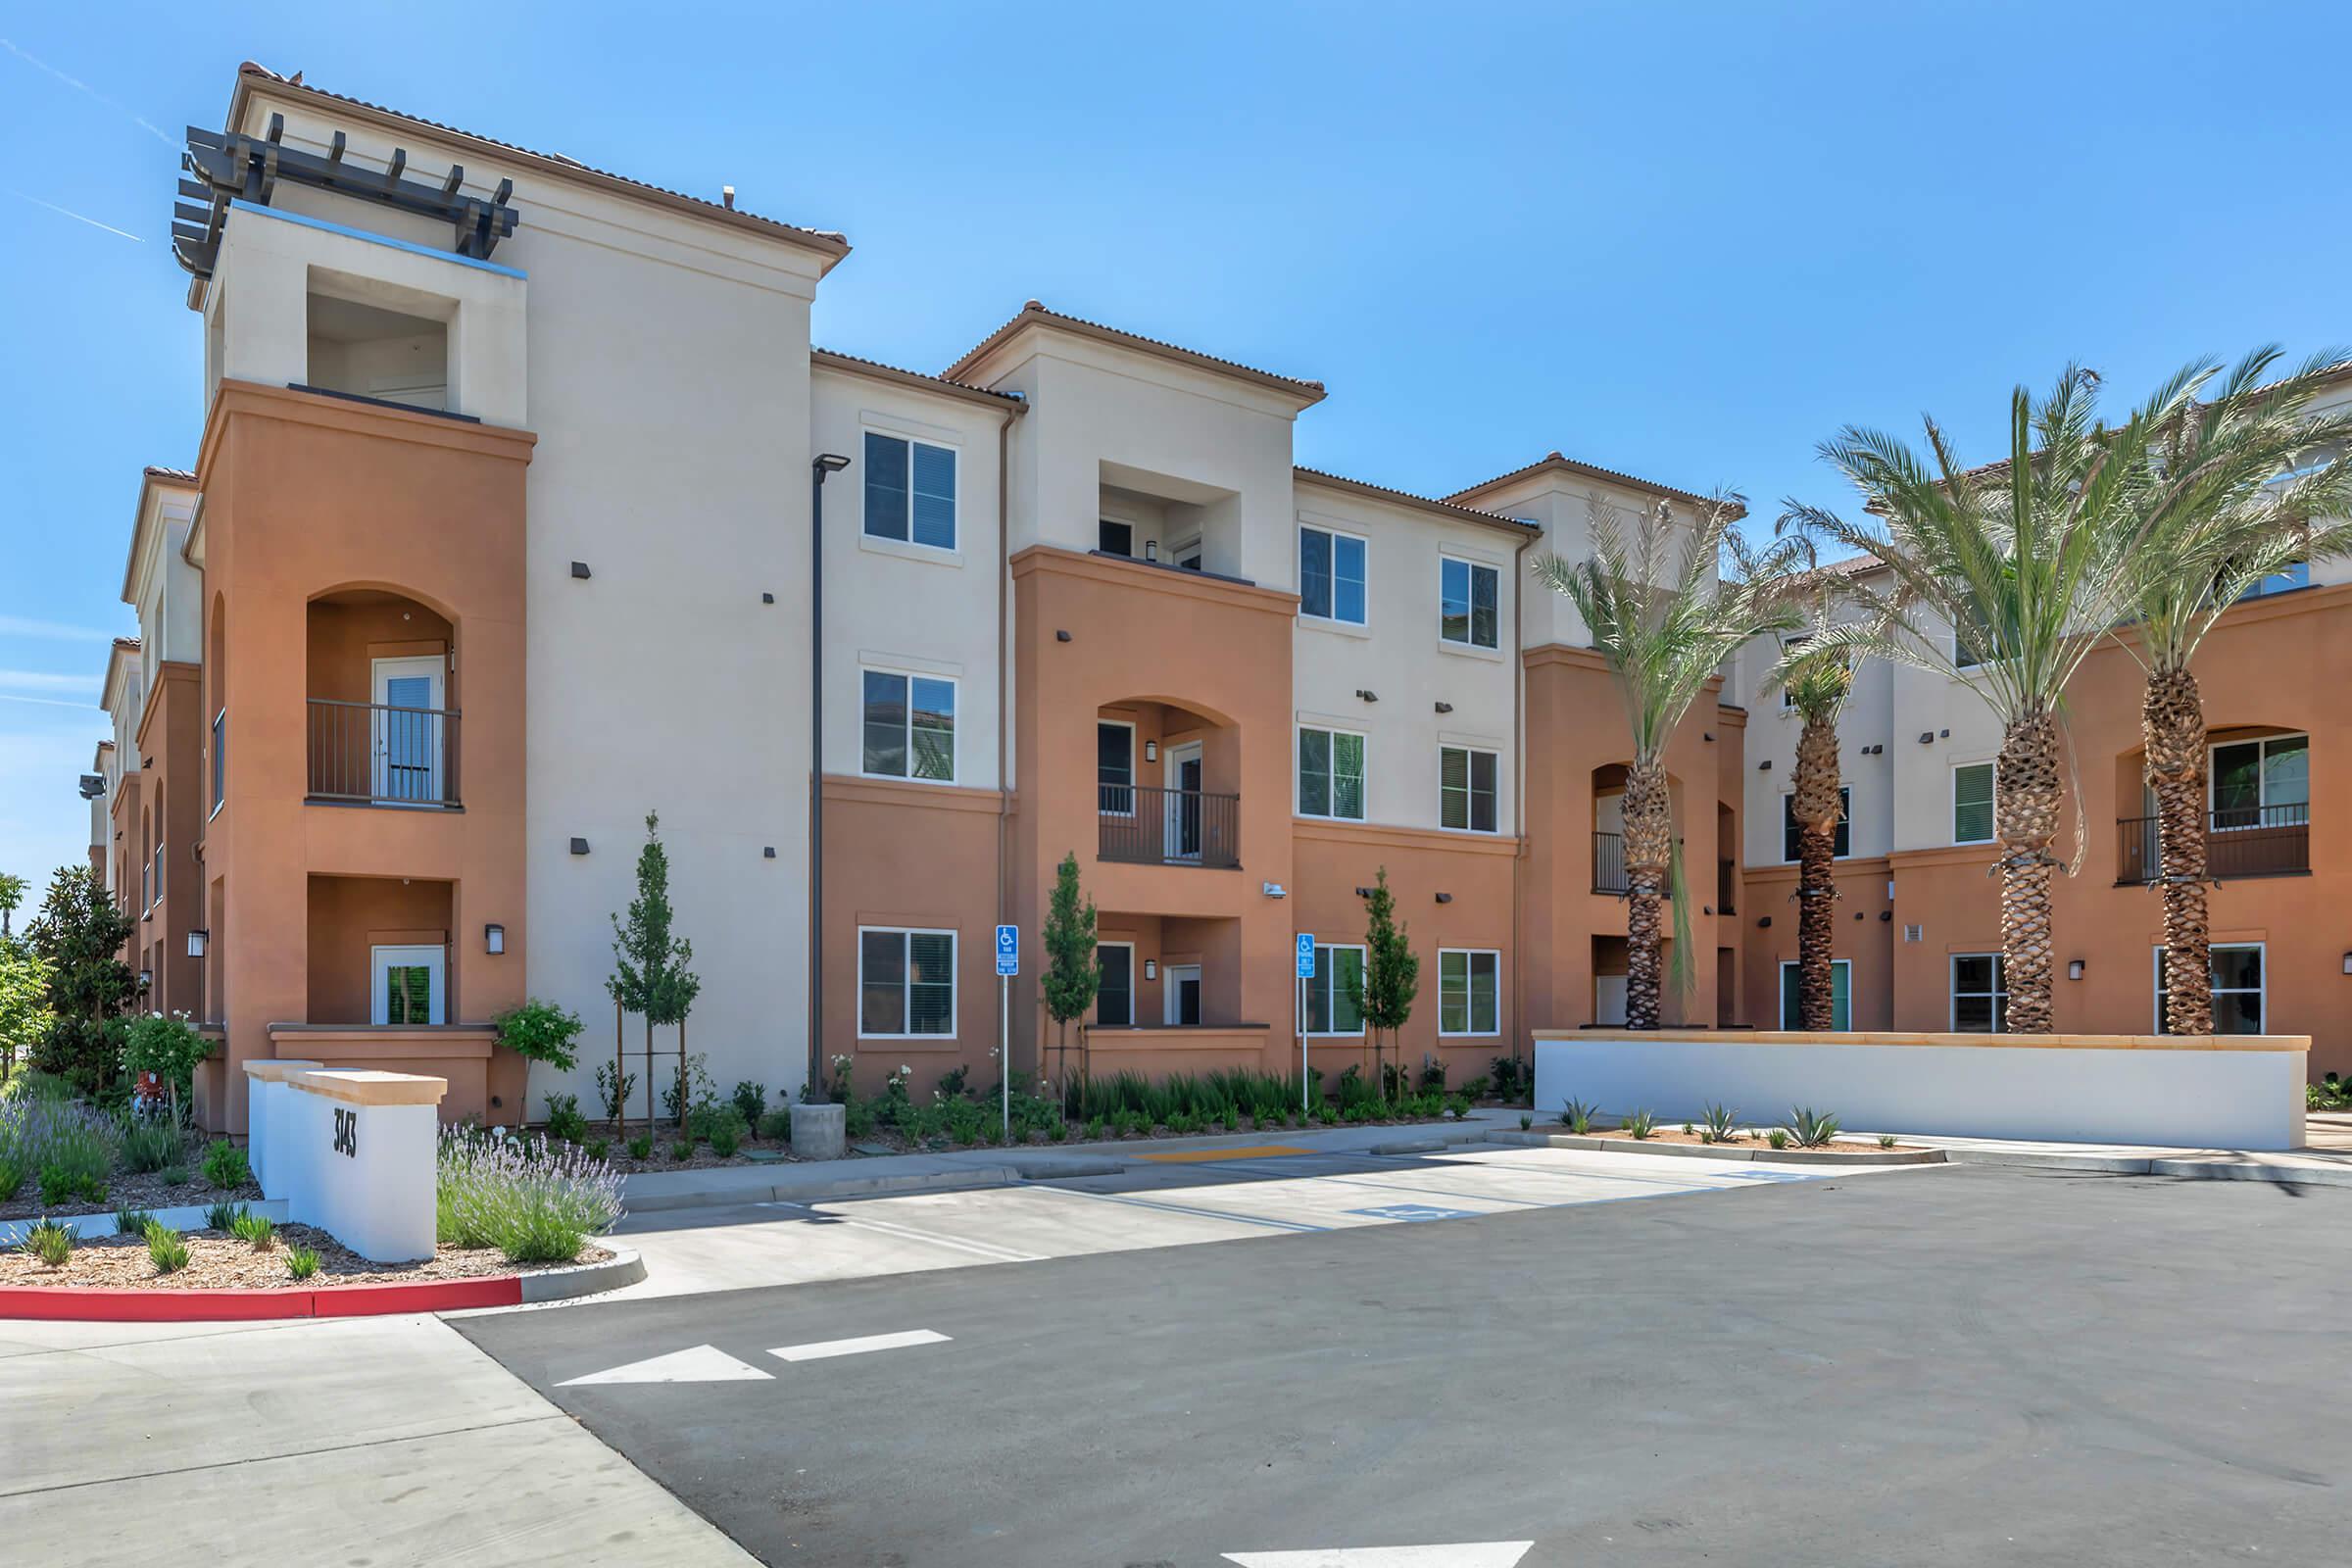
{"x":71,"y":1303}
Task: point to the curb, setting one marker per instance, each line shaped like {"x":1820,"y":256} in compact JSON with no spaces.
{"x":1788,"y":1156}
{"x":71,"y":1303}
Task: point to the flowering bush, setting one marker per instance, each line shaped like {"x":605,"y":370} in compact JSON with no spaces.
{"x":168,"y":1046}
{"x":41,"y":1134}
{"x":535,"y":1201}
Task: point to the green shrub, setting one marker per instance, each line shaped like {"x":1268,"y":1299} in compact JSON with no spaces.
{"x":151,"y":1142}
{"x":641,"y":1147}
{"x":1329,"y":1115}
{"x":565,"y":1119}
{"x":1810,"y":1129}
{"x":301,"y":1262}
{"x":49,"y":1242}
{"x":750,"y":1099}
{"x":1513,"y":1079}
{"x":600,"y":1148}
{"x":224,"y":1218}
{"x":129,"y":1221}
{"x":726,"y":1137}
{"x":1886,"y":1139}
{"x":12,"y":1174}
{"x":540,"y":1031}
{"x":1721,"y":1124}
{"x":1233,"y":1119}
{"x":1476,"y":1089}
{"x":255,"y":1230}
{"x":1577,"y":1116}
{"x":694,"y":1086}
{"x":225,"y":1165}
{"x":164,"y":1249}
{"x":168,"y":1047}
{"x":1459,"y":1105}
{"x":1778,"y":1138}
{"x":776,"y":1125}
{"x":616,"y":1096}
{"x":1640,"y":1124}
{"x":682,"y":1149}
{"x":951,"y":1083}
{"x":1526,"y":1121}
{"x":173,"y":1175}
{"x":533,"y":1201}
{"x":61,"y":1184}
{"x":1094,"y":1131}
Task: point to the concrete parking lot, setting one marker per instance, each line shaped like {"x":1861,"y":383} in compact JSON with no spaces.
{"x":1947,"y":1365}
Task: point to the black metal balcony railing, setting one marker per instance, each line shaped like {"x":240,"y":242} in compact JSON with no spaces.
{"x":1147,"y":826}
{"x":374,"y":753}
{"x":1608,"y":862}
{"x":2239,"y":841}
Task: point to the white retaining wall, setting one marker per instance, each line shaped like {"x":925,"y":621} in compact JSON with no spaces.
{"x":352,"y":1152}
{"x":2230,"y":1092}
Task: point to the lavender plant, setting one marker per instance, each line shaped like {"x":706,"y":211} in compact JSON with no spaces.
{"x":39,"y":1134}
{"x":535,"y":1201}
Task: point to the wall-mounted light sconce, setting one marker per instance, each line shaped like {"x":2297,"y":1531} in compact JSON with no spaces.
{"x":1945,"y":733}
{"x":1151,"y":750}
{"x":198,"y":939}
{"x":579,"y":846}
{"x":1445,"y":707}
{"x":146,"y":978}
{"x":1444,"y":898}
{"x":1062,"y":636}
{"x":1274,"y":890}
{"x":768,"y":599}
{"x":1886,"y":916}
{"x":1706,"y":908}
{"x":579,"y":568}
{"x":1765,"y":767}
{"x":767,"y":852}
{"x":1708,"y":735}
{"x":1151,"y":550}
{"x":1764,"y":924}
{"x":1363,"y":893}
{"x":494,"y":939}
{"x":1927,"y":737}
{"x":1151,"y":968}
{"x":2074,"y":969}
{"x":2348,"y":963}
{"x":1367,"y":696}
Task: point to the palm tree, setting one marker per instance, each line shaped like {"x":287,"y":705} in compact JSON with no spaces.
{"x":2027,"y":561}
{"x":1817,"y":677}
{"x":1665,"y":625}
{"x":2237,"y":484}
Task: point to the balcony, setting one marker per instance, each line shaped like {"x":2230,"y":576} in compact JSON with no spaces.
{"x":1608,"y":863}
{"x":379,"y":754}
{"x":1143,"y":825}
{"x":2239,"y":841}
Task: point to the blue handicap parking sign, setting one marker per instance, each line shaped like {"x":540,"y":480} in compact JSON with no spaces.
{"x":1008,"y":950}
{"x":1413,"y":1214}
{"x":1307,"y":955}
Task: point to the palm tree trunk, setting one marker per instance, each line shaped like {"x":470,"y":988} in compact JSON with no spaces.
{"x":2027,"y":797}
{"x":2171,"y":722}
{"x":1648,"y":850}
{"x":1815,"y":806}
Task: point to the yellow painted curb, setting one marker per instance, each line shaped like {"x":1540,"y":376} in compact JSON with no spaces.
{"x":1195,"y":1157}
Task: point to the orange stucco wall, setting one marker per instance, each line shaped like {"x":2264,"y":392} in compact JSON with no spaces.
{"x":172,"y":752}
{"x":309,"y":498}
{"x":1862,"y":939}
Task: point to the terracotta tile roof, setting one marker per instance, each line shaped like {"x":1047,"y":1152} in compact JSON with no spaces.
{"x":1382,"y":492}
{"x":1587,"y":470}
{"x":833,"y":244}
{"x":170,"y":475}
{"x":856,"y":363}
{"x":1034,"y":313}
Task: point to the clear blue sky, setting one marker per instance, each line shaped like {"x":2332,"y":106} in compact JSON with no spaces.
{"x":1684,"y":241}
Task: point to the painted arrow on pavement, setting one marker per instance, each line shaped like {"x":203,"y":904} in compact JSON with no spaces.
{"x":704,"y":1363}
{"x":1461,"y":1554}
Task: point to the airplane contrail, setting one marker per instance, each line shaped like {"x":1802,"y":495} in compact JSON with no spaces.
{"x":64,"y":211}
{"x":79,"y":85}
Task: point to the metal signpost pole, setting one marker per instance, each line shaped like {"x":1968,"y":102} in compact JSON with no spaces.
{"x":1009,"y":965}
{"x":1307,"y":970}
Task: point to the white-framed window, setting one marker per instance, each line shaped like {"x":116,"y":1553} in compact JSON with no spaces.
{"x":1469,"y":600}
{"x":1331,"y":575}
{"x":2240,"y":988}
{"x":1972,"y":803}
{"x":910,"y":490}
{"x":219,"y":760}
{"x":2260,"y":783}
{"x":1842,"y":995}
{"x":1980,"y":994}
{"x":1469,"y":991}
{"x":1332,"y":992}
{"x":906,"y":983}
{"x":910,"y":726}
{"x":1114,"y":986}
{"x":1841,"y":841}
{"x":1115,"y":767}
{"x":1466,"y":788}
{"x":1984,"y":644}
{"x":1331,"y":773}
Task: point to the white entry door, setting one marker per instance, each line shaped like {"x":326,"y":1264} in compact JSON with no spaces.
{"x":407,"y":986}
{"x":1180,"y":996}
{"x":1183,"y":797}
{"x":406,"y":732}
{"x":1608,"y":998}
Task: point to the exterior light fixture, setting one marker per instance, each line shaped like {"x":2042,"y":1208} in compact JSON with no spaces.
{"x":1151,"y":750}
{"x":579,"y":568}
{"x":579,"y":846}
{"x":1151,"y":550}
{"x":198,"y":938}
{"x":1274,"y":890}
{"x":1367,"y":696}
{"x":494,"y":939}
{"x":146,"y":978}
{"x":2348,"y":963}
{"x":1445,"y":707}
{"x":1927,"y":737}
{"x":1151,"y":968}
{"x":1444,"y":898}
{"x":2074,"y":969}
{"x":1765,"y":767}
{"x":1062,"y":636}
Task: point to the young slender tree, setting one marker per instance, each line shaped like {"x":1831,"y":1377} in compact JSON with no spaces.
{"x":1071,"y":977}
{"x":2027,"y":561}
{"x":648,"y":975}
{"x":1817,"y":679}
{"x":1665,"y":618}
{"x":2246,"y":479}
{"x":79,"y":936}
{"x":1392,"y":975}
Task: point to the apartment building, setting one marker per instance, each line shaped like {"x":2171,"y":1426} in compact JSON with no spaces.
{"x":1918,"y":927}
{"x":498,"y":539}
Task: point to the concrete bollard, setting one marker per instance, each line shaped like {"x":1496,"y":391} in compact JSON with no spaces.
{"x":819,"y":1132}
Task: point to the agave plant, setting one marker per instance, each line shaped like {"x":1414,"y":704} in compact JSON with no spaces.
{"x":1577,"y":1116}
{"x":1640,"y":1124}
{"x":1810,"y":1129}
{"x":1664,"y":622}
{"x":1718,"y":1124}
{"x":2027,"y":561}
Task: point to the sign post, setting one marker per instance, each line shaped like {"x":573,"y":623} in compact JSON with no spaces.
{"x":1009,"y":965}
{"x":1307,"y":972}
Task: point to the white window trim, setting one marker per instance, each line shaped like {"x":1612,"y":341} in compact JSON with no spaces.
{"x":1478,"y":832}
{"x":1319,"y":978}
{"x":956,"y":753}
{"x":1474,"y":648}
{"x":911,"y":548}
{"x":2156,"y":980}
{"x":1299,"y":729}
{"x":1134,"y":762}
{"x":1845,"y":795}
{"x":1999,"y":994}
{"x":218,"y":737}
{"x":1495,"y":1033}
{"x":1954,"y":817}
{"x":1135,"y":982}
{"x":1789,"y":968}
{"x":2212,"y":748}
{"x":1334,"y":622}
{"x":905,"y":995}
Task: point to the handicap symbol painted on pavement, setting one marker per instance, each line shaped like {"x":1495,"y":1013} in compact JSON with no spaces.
{"x":1414,"y":1213}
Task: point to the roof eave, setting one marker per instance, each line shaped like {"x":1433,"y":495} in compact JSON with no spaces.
{"x":1446,"y":510}
{"x":1005,"y":403}
{"x":1301,"y":394}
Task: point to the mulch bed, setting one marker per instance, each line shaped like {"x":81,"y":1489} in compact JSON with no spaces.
{"x":133,"y":1189}
{"x":217,"y":1262}
{"x":1759,"y":1142}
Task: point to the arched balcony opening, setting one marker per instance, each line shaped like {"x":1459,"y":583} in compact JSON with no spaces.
{"x":1166,"y":780}
{"x":381,"y":682}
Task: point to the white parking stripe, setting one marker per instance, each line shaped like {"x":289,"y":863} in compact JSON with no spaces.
{"x":908,"y":1232}
{"x":823,"y":1349}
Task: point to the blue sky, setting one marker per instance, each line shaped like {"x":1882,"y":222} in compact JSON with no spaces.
{"x":1683,"y":241}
